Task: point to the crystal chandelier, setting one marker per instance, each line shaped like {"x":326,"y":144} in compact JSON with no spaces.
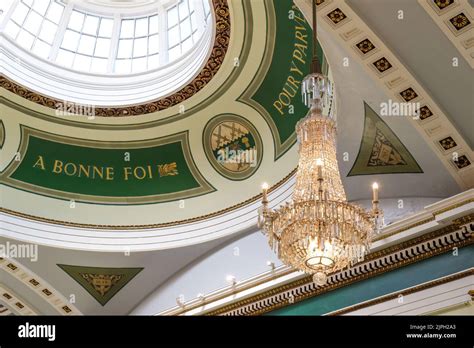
{"x":318,"y":231}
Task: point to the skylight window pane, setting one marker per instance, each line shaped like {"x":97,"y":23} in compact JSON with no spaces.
{"x":173,"y":36}
{"x":187,"y":44}
{"x":125,"y":49}
{"x":99,"y":65}
{"x":154,"y":25}
{"x":91,"y":24}
{"x":33,"y":22}
{"x":183,"y":9}
{"x":185,"y":29}
{"x":140,"y":47}
{"x":82,"y":62}
{"x":153,"y":44}
{"x":20,"y":13}
{"x":172,"y":17}
{"x":86,"y":45}
{"x":25,"y":39}
{"x":41,"y":6}
{"x":153,"y":62}
{"x":55,"y":12}
{"x":12,"y":29}
{"x":65,"y":58}
{"x":106,"y":27}
{"x":123,"y":66}
{"x":194,"y":22}
{"x":70,"y":40}
{"x":48,"y":31}
{"x":76,"y":20}
{"x":141,"y":28}
{"x":139,"y":65}
{"x":207,"y":9}
{"x":102,"y":48}
{"x":28,"y":2}
{"x":174,"y":53}
{"x":41,"y":49}
{"x":128,"y":28}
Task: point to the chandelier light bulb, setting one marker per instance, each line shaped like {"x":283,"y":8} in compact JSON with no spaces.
{"x":231,"y":280}
{"x":375,"y":192}
{"x":265,"y":186}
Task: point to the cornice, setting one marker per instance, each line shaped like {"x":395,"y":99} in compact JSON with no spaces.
{"x":388,"y":259}
{"x":405,"y":292}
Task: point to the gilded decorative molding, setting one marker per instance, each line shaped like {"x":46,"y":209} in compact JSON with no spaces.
{"x":17,"y":306}
{"x":233,"y":146}
{"x":405,"y":292}
{"x":102,"y":283}
{"x":377,"y":263}
{"x":139,"y":227}
{"x":210,"y":69}
{"x":38,"y":285}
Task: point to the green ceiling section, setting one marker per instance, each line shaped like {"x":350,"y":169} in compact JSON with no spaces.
{"x":155,"y":170}
{"x":101,"y":283}
{"x":399,"y":279}
{"x":381,"y":151}
{"x":280,"y":91}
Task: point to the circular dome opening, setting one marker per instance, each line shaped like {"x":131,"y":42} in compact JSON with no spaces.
{"x":106,"y":52}
{"x":127,"y":40}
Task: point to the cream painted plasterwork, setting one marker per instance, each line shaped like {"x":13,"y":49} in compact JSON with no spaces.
{"x":41,"y":287}
{"x":15,"y":304}
{"x":463,"y":39}
{"x":350,"y":31}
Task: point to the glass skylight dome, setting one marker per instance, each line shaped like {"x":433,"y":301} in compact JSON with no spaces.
{"x":106,"y":36}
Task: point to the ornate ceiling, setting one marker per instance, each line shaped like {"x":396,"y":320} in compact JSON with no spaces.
{"x":161,"y":175}
{"x":207,"y":148}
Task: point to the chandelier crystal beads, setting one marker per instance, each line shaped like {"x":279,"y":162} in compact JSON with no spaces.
{"x":318,"y":231}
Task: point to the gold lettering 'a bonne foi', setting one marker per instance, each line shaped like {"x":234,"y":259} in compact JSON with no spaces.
{"x":83,"y":171}
{"x":89,"y":171}
{"x":298,"y":62}
{"x":39,"y":163}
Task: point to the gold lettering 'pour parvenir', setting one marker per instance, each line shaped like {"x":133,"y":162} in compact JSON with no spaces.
{"x":107,"y":173}
{"x":298,"y":62}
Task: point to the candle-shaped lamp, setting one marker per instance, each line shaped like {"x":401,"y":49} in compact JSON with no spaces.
{"x":319,"y":164}
{"x":264,"y":193}
{"x":375,"y":192}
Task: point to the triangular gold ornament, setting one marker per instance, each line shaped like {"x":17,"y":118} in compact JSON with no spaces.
{"x":102,"y":283}
{"x":381,"y":151}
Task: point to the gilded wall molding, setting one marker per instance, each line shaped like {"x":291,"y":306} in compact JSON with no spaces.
{"x":408,"y":291}
{"x":377,"y":263}
{"x":210,"y":69}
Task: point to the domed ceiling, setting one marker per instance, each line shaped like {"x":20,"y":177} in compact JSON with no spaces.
{"x":205,"y":149}
{"x":85,"y":170}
